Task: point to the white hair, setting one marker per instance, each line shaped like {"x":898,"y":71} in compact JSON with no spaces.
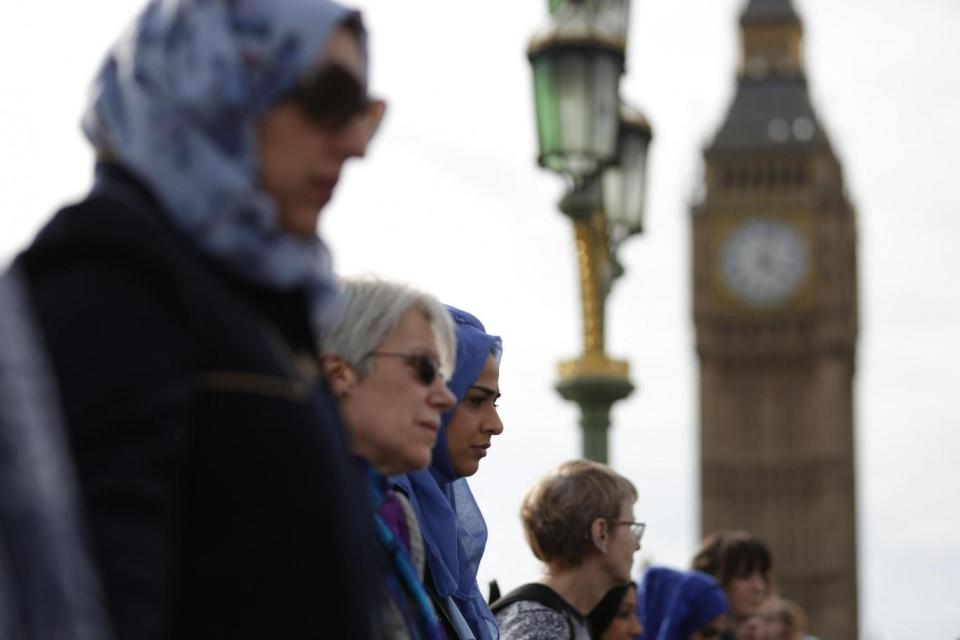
{"x":372,"y":309}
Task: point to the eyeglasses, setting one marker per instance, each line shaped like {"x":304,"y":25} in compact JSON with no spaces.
{"x":332,"y":96}
{"x":636,"y":528}
{"x":425,"y":366}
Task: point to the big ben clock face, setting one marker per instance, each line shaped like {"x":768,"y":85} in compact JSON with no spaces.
{"x":763,"y":261}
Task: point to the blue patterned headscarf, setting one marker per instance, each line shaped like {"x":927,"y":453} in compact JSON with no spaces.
{"x":673,"y":605}
{"x":454,"y":532}
{"x":176,"y":103}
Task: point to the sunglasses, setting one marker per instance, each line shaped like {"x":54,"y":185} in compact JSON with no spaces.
{"x":423,"y":365}
{"x":332,"y":96}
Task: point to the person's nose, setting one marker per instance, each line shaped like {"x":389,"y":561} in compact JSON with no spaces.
{"x":493,"y":424}
{"x":356,"y":134}
{"x":758,"y":583}
{"x":440,"y":395}
{"x":353,"y":140}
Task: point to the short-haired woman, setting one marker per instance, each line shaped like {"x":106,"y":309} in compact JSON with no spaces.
{"x":579,"y":522}
{"x":741,"y":562}
{"x":386,"y":360}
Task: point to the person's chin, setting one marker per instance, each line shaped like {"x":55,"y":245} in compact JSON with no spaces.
{"x":418,"y":460}
{"x":302,"y":221}
{"x":465,"y":470}
{"x":620,"y":577}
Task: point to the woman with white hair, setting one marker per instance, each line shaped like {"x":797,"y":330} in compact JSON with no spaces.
{"x":386,"y":360}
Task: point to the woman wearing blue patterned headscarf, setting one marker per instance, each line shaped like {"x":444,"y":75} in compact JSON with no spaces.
{"x":181,"y":303}
{"x":189,"y":103}
{"x":454,"y":531}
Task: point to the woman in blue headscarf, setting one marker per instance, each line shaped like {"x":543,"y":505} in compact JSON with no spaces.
{"x":181,"y":302}
{"x":681,"y":605}
{"x":453,"y":528}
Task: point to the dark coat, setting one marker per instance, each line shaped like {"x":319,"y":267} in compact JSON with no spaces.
{"x":219,"y":493}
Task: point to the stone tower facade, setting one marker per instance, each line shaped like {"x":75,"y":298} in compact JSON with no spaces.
{"x":775,"y":310}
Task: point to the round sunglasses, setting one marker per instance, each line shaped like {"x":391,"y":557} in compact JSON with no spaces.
{"x":423,"y":365}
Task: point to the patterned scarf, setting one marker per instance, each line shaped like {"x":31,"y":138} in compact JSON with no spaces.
{"x":176,"y":103}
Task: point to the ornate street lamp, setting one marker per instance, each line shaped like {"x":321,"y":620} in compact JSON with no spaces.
{"x":576,"y":77}
{"x":601,"y":146}
{"x":613,"y":14}
{"x":624,"y":183}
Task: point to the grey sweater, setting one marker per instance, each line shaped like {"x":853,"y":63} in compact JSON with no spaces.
{"x":526,"y":620}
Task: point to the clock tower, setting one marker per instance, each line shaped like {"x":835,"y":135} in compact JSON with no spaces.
{"x":775,"y":310}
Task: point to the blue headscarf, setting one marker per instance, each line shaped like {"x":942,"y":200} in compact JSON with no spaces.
{"x":176,"y":103}
{"x":672,"y":605}
{"x":454,"y":532}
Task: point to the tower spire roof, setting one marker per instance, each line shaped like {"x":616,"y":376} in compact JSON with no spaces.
{"x":772,"y":110}
{"x":759,"y":11}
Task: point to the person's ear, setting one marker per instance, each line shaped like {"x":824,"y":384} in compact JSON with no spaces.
{"x":600,"y":534}
{"x":339,"y":375}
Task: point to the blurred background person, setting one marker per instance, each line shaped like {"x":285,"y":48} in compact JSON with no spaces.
{"x":750,"y":628}
{"x":48,"y":588}
{"x":741,"y":562}
{"x":615,"y":617}
{"x":180,"y":303}
{"x":681,"y":605}
{"x":386,"y":359}
{"x":783,"y":619}
{"x":454,"y":531}
{"x":579,"y":522}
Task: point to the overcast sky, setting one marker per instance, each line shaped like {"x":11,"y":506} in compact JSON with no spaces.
{"x":450,"y":199}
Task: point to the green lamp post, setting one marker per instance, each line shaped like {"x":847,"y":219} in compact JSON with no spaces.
{"x":600,"y":145}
